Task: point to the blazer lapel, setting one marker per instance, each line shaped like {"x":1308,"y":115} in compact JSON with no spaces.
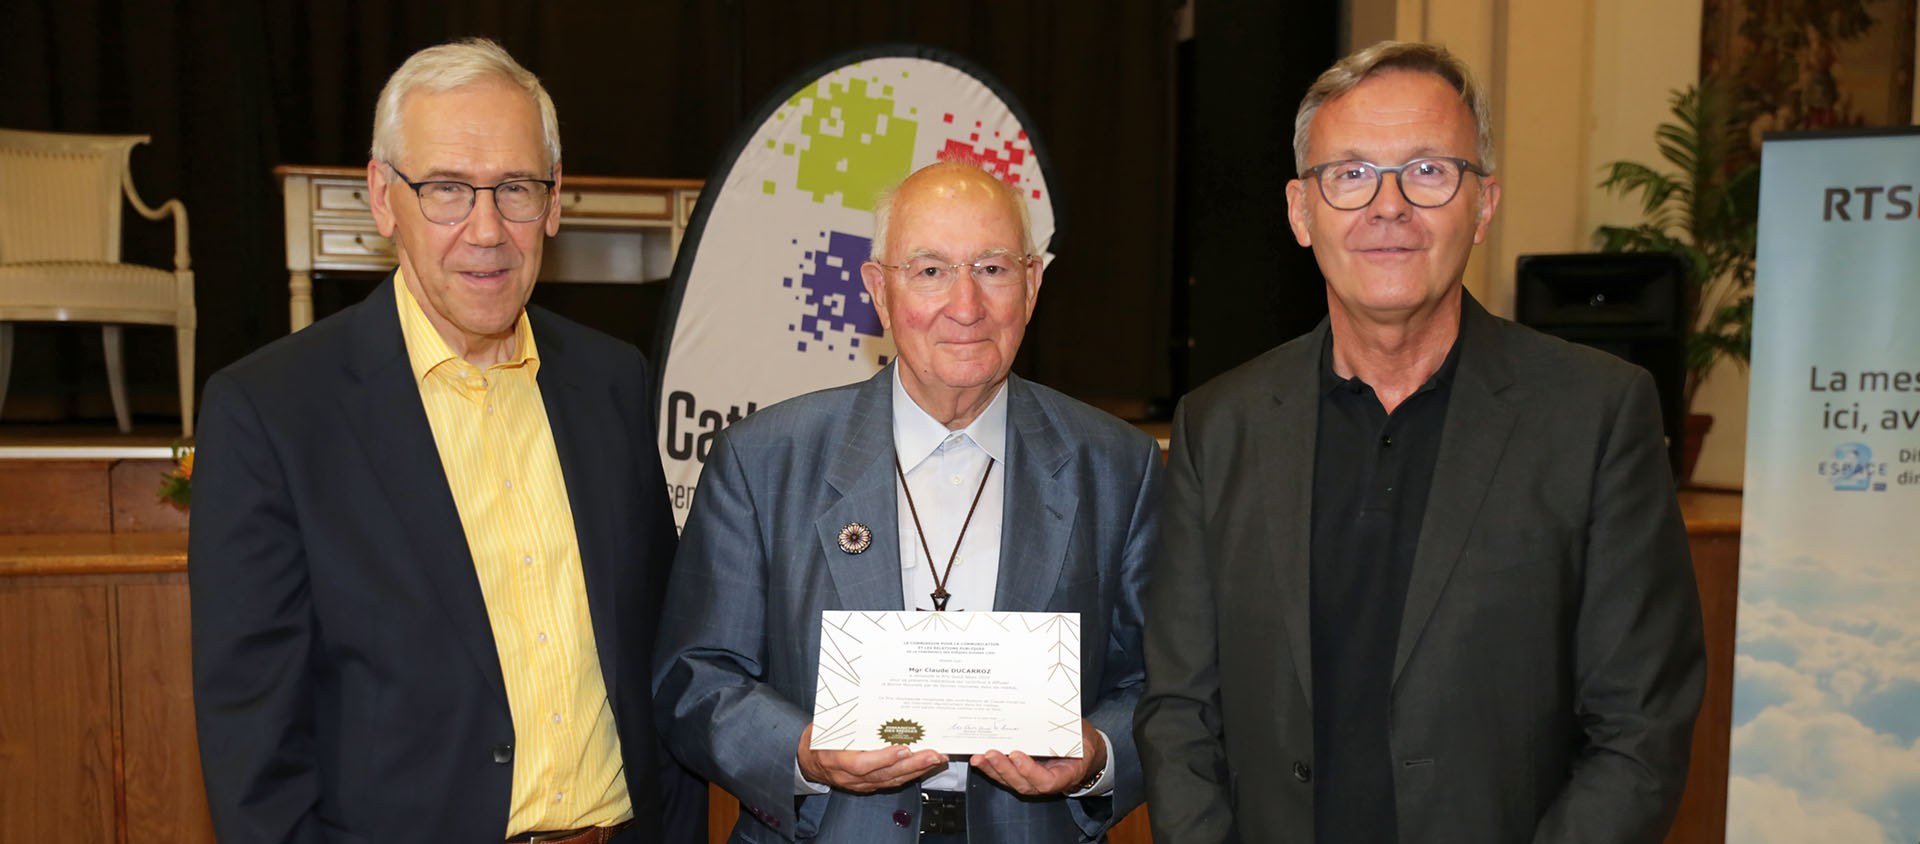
{"x":1284,"y":436}
{"x":1479,"y":423}
{"x":391,"y":424}
{"x":1038,"y":514}
{"x":582,"y":434}
{"x":861,"y":471}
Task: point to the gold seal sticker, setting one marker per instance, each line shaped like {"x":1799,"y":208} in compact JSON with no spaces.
{"x":901,"y":731}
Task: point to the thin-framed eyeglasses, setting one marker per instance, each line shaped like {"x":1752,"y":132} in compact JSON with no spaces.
{"x":1425,"y":182}
{"x":447,"y":202}
{"x":934,"y":274}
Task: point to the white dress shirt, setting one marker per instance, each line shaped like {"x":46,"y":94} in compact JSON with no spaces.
{"x":944,"y":470}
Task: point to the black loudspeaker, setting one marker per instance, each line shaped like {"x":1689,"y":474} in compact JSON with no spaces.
{"x":1627,"y":303}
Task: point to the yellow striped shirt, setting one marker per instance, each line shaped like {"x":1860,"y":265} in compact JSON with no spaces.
{"x":497,"y":449}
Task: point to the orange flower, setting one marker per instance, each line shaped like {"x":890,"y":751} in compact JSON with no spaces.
{"x":186,"y":464}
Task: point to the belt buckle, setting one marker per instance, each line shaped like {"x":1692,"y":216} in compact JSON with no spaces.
{"x":548,"y":837}
{"x":942,"y":813}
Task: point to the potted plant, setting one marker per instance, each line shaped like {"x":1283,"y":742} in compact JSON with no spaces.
{"x":1705,"y":208}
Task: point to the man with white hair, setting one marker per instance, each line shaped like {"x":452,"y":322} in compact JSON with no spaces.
{"x":430,"y":533}
{"x":942,"y":483}
{"x":1424,"y":577}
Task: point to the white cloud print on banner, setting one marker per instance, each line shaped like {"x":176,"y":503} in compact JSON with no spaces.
{"x":1826,"y":720}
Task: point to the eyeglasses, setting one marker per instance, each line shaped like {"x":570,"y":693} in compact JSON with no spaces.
{"x":930,"y":274}
{"x":447,"y":203}
{"x":1425,"y":182}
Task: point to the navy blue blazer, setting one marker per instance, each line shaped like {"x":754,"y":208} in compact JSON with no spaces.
{"x":346,"y":682}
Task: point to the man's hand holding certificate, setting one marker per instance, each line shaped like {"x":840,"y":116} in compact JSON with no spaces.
{"x":1001,"y":688}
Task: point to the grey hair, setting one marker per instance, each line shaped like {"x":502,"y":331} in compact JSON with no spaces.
{"x":453,"y":65}
{"x":1415,"y":56}
{"x":883,"y":210}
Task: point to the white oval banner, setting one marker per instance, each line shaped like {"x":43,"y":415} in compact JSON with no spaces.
{"x":767,"y":301}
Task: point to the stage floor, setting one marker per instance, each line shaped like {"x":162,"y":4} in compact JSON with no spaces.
{"x":87,"y":441}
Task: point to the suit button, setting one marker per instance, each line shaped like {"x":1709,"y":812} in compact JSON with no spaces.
{"x":902,"y":819}
{"x":502,"y":754}
{"x":1301,"y":772}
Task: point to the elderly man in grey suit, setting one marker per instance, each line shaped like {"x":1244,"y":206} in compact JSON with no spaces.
{"x":977,"y":490}
{"x":1424,"y":576}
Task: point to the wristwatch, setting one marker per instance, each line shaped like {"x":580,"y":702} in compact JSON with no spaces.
{"x":1088,"y":784}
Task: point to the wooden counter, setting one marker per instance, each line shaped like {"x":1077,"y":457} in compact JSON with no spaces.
{"x":96,"y":716}
{"x":98,"y":744}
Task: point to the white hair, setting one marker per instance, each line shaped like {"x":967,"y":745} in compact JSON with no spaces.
{"x":453,"y":65}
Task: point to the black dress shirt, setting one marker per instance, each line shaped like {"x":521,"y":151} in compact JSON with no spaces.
{"x":1371,"y":474}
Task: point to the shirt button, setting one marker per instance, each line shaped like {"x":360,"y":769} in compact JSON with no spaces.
{"x":956,"y":480}
{"x":543,"y":638}
{"x":556,"y":717}
{"x":526,"y":560}
{"x":1386,"y":441}
{"x":509,"y":484}
{"x":557,"y":795}
{"x":489,"y":410}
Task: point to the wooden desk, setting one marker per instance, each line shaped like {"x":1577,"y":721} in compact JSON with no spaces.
{"x":612,"y":230}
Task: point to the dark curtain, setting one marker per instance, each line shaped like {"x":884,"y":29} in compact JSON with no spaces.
{"x":229,"y":89}
{"x":1252,"y":285}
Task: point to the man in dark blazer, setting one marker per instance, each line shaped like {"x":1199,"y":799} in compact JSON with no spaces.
{"x":391,"y":641}
{"x":1424,"y":577}
{"x":1067,"y":524}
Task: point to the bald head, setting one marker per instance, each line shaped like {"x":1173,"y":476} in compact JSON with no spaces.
{"x":946,"y":183}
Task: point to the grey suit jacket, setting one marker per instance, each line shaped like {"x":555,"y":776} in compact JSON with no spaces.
{"x":759,"y":560}
{"x":1550,"y":662}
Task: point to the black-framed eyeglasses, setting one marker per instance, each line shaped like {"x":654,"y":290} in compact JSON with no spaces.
{"x":1425,"y":182}
{"x":934,"y":274}
{"x":447,"y":203}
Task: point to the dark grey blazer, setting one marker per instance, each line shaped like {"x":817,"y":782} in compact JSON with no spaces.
{"x":760,"y":559}
{"x":346,"y":682}
{"x":1550,"y":662}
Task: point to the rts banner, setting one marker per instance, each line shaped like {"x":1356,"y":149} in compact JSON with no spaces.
{"x":767,"y":300}
{"x":1826,"y":704}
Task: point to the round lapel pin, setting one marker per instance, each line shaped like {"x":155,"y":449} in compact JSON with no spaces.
{"x":855,"y":538}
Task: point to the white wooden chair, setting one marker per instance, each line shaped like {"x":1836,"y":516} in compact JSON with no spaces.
{"x":60,"y":252}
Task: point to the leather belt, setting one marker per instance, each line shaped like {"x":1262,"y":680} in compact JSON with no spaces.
{"x":943,"y":811}
{"x":583,"y":835}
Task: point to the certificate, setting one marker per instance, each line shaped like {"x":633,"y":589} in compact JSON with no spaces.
{"x":957,"y":682}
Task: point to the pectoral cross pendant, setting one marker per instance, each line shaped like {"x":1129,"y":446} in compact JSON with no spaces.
{"x":939,"y":593}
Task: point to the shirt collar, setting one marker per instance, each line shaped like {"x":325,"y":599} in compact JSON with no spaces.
{"x":1331,"y":380}
{"x":427,"y":350}
{"x":916,"y":433}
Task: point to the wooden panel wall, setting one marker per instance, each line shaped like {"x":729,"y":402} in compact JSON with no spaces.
{"x":165,"y":799}
{"x":56,"y":714}
{"x":1703,"y":809}
{"x":96,"y":714}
